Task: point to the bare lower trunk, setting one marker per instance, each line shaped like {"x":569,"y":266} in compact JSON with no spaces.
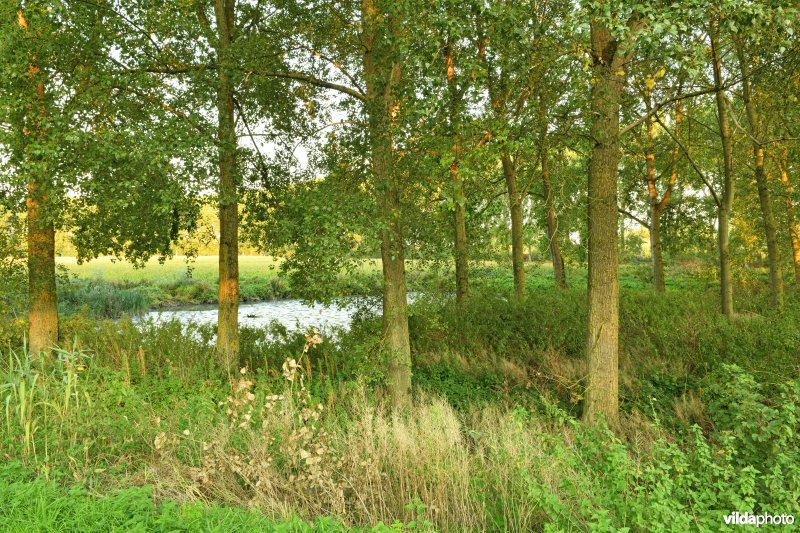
{"x":43,"y":308}
{"x":382,"y":76}
{"x":228,"y":314}
{"x":764,"y":200}
{"x":768,"y":218}
{"x":559,"y":273}
{"x":517,"y":242}
{"x":395,"y":314}
{"x":602,"y":347}
{"x":794,"y":231}
{"x":725,"y":275}
{"x":461,"y":257}
{"x":656,"y":255}
{"x":656,"y":250}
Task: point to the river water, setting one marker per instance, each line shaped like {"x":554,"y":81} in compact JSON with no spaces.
{"x":293,"y":314}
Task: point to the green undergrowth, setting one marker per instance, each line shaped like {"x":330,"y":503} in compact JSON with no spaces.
{"x":30,"y":503}
{"x":164,"y":454}
{"x":668,"y":342}
{"x":137,"y":417}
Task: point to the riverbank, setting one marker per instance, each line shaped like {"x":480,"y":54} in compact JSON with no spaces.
{"x":134,"y":423}
{"x":110,"y":289}
{"x":107,"y":288}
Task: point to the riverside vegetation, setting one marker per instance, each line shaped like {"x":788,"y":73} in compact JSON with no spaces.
{"x":491,"y":442}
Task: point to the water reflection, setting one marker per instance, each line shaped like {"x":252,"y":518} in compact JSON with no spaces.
{"x":293,"y":314}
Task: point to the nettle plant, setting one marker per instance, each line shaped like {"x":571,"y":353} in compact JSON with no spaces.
{"x":761,"y":434}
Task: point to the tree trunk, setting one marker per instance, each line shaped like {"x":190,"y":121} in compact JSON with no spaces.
{"x":559,"y":273}
{"x":395,"y":314}
{"x":517,"y":243}
{"x":43,"y":306}
{"x":656,"y":255}
{"x":765,"y":202}
{"x":228,"y":314}
{"x":773,"y":251}
{"x":602,"y":347}
{"x":382,"y":75}
{"x":657,"y":206}
{"x":459,"y":210}
{"x":42,"y":299}
{"x":724,"y":208}
{"x":656,"y":250}
{"x":461,"y":254}
{"x":794,"y":231}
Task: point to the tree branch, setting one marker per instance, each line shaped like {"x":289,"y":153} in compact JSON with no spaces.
{"x":656,"y":108}
{"x":633,"y":217}
{"x":691,"y":162}
{"x":307,"y":78}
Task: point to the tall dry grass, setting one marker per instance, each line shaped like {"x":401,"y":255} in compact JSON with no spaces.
{"x":276,"y":451}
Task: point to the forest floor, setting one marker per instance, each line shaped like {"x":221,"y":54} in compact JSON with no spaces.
{"x":133,"y":429}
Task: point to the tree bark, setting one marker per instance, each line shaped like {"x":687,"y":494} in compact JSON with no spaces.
{"x":602,"y":347}
{"x":764,"y":200}
{"x":43,"y":305}
{"x":794,"y":230}
{"x":42,"y":299}
{"x":459,"y":209}
{"x":228,"y":314}
{"x":517,"y":242}
{"x":724,"y":207}
{"x":656,"y":255}
{"x":656,"y":251}
{"x":382,"y":75}
{"x":460,"y":245}
{"x":559,"y":274}
{"x":657,"y":205}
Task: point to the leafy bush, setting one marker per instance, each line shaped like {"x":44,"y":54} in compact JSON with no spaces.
{"x":751,"y":464}
{"x":760,"y":434}
{"x":462,"y":391}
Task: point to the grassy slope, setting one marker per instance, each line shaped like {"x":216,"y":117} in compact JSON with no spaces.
{"x":203,"y":267}
{"x":263,"y":268}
